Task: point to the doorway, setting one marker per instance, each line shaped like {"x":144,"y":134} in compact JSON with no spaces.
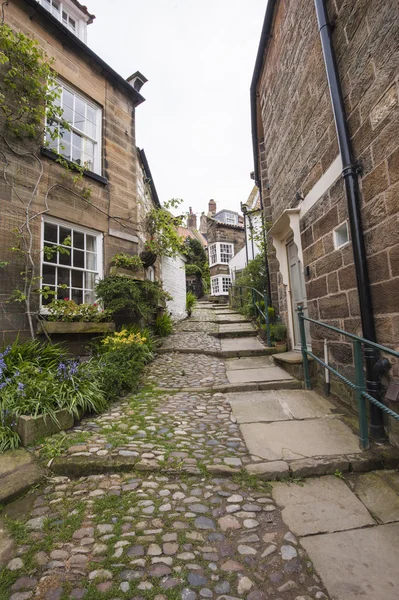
{"x":297,"y":292}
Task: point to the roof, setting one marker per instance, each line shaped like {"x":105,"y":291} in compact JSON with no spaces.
{"x":233,"y":212}
{"x":192,"y":233}
{"x":260,"y":57}
{"x":221,"y":224}
{"x":66,"y":37}
{"x":148,"y":175}
{"x":84,"y":10}
{"x":253,"y":202}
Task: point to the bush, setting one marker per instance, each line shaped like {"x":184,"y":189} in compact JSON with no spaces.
{"x":139,"y":299}
{"x":127,"y":261}
{"x":121,"y":358}
{"x":193,"y":270}
{"x":68,"y":311}
{"x":163,"y":325}
{"x":191,"y":301}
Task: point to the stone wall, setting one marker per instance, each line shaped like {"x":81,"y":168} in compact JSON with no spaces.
{"x":113,"y":203}
{"x":300,"y":144}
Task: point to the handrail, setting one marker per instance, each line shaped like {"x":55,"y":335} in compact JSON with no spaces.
{"x":360,"y":384}
{"x":256,"y":305}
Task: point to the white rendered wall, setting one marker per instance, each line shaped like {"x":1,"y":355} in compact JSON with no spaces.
{"x":174,"y":282}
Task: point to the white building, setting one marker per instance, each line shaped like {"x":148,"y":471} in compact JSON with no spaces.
{"x":253,"y":229}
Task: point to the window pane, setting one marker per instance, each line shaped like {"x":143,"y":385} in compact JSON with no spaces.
{"x":91,"y":114}
{"x":77,"y":279}
{"x":67,"y":98}
{"x":77,"y":296}
{"x":68,"y":113}
{"x":72,"y":24}
{"x":89,"y":148}
{"x":79,"y":121}
{"x":90,"y":243}
{"x":90,"y":279}
{"x":48,"y":275}
{"x":65,"y":259}
{"x":63,"y":276}
{"x":65,"y":150}
{"x":91,"y":129}
{"x":63,"y":294}
{"x":78,"y":239}
{"x":76,"y":155}
{"x":50,"y":256}
{"x":64,"y":233}
{"x":77,"y":140}
{"x":91,"y":261}
{"x":90,"y":297}
{"x":50,"y":232}
{"x":79,"y":259}
{"x":50,"y":298}
{"x":65,"y":136}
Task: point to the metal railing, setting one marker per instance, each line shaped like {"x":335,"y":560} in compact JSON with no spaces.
{"x":256,"y":298}
{"x":359,"y":386}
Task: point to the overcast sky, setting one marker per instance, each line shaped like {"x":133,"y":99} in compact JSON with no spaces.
{"x":198,"y":57}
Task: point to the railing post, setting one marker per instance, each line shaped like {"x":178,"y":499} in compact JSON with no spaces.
{"x":302,"y":332}
{"x":254,"y":303}
{"x":361,"y":402}
{"x":265,"y":300}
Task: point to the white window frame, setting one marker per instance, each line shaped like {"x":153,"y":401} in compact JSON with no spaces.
{"x":56,"y":144}
{"x":337,"y":233}
{"x":65,"y":7}
{"x":219,"y":287}
{"x":231,"y":219}
{"x":99,"y":252}
{"x":215,"y":253}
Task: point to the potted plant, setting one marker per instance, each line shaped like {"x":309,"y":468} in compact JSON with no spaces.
{"x":148,"y":256}
{"x":65,"y":316}
{"x":279,"y":331}
{"x":129,"y":265}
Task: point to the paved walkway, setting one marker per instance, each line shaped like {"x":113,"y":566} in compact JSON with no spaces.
{"x":157,"y":500}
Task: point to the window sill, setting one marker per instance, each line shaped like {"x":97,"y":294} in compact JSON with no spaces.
{"x":90,"y":174}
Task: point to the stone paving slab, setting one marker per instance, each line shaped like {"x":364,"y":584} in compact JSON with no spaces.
{"x":248,"y":375}
{"x":237,"y":329}
{"x":377,"y":492}
{"x":320,"y":505}
{"x":250,"y":343}
{"x":250,"y":407}
{"x":157,"y":537}
{"x":252,"y":362}
{"x":358,"y":564}
{"x":290,"y":440}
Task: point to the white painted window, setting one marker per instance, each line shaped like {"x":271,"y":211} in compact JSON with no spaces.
{"x":212,"y":248}
{"x":81,"y":145}
{"x":341,"y":235}
{"x":231,"y":219}
{"x":67,"y":15}
{"x":150,"y":274}
{"x":78,"y":268}
{"x":220,"y":285}
{"x":220,"y":253}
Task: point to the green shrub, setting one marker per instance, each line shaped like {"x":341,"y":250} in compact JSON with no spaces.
{"x":191,"y":301}
{"x":139,"y":299}
{"x":193,"y":270}
{"x":163,"y":325}
{"x":127,"y":261}
{"x":68,"y":311}
{"x":279,"y":331}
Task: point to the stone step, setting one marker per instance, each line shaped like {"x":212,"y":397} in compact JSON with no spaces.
{"x":231,"y":319}
{"x":239,"y":346}
{"x":258,"y":375}
{"x":18,"y":473}
{"x":234,"y":330}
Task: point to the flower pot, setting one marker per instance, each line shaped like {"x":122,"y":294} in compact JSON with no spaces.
{"x":148,"y":258}
{"x":137,"y":275}
{"x":280,"y":347}
{"x":74,"y":327}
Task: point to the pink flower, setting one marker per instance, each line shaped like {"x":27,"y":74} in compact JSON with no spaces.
{"x":66,"y":299}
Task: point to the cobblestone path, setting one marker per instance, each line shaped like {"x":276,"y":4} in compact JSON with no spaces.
{"x":176,"y":531}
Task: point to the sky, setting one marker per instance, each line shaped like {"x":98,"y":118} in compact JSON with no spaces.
{"x":198,"y":57}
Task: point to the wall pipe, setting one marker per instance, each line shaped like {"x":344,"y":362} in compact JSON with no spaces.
{"x":350,"y":176}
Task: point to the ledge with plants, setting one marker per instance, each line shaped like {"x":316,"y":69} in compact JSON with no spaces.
{"x":65,"y":316}
{"x":43,"y":390}
{"x":128,"y":265}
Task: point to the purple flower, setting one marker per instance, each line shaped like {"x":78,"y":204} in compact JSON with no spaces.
{"x":21,"y":387}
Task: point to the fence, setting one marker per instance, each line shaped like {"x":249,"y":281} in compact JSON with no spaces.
{"x":259,"y":303}
{"x":359,"y":386}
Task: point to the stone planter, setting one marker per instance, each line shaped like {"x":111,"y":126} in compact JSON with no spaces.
{"x":280,"y":348}
{"x":30,"y":428}
{"x":66,"y":328}
{"x":138,"y":275}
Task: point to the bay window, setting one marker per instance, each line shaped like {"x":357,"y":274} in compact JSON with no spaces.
{"x":220,"y":285}
{"x":220,"y":252}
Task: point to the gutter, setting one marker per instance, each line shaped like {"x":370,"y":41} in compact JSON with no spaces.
{"x":63,"y":35}
{"x":264,"y":38}
{"x":350,"y":174}
{"x":148,"y":175}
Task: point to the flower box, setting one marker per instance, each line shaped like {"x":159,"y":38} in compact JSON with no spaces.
{"x":30,"y":428}
{"x":138,"y":275}
{"x":74,"y":327}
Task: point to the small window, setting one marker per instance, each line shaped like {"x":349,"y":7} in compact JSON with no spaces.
{"x":341,"y":235}
{"x":212,"y":254}
{"x":215,"y":286}
{"x":150,"y":274}
{"x":226,"y":284}
{"x":226,"y":253}
{"x":220,"y":285}
{"x":73,"y":271}
{"x":231,"y":219}
{"x":81,"y":145}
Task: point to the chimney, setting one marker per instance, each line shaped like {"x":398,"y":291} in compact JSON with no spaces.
{"x":137,"y":80}
{"x":192,"y":219}
{"x":212,"y":207}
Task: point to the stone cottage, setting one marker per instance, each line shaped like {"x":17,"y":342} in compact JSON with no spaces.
{"x":100,"y":106}
{"x":325,"y":138}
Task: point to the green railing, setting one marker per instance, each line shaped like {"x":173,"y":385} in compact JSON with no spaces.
{"x":236,"y":297}
{"x":359,"y":386}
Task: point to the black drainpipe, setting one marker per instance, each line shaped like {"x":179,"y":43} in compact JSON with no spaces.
{"x":350,"y":175}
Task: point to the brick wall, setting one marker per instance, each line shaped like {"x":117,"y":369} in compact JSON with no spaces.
{"x":112,"y":205}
